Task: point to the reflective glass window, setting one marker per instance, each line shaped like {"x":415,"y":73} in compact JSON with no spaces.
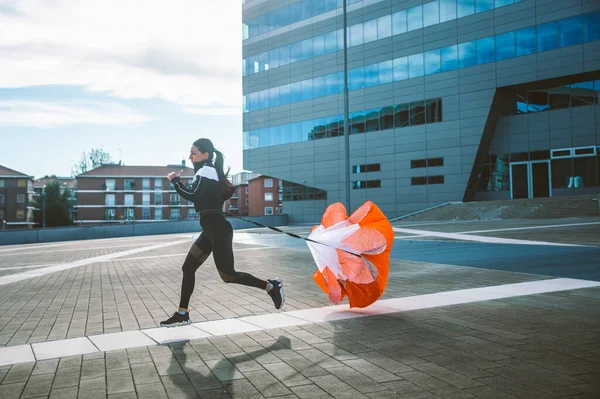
{"x":295,"y":132}
{"x":370,"y":31}
{"x":263,"y":98}
{"x":386,"y":72}
{"x":400,"y":69}
{"x":399,"y":22}
{"x":505,"y":46}
{"x":295,"y":52}
{"x":414,"y":17}
{"x":547,"y":35}
{"x":384,"y":27}
{"x":307,"y":48}
{"x":330,"y":42}
{"x":447,"y":10}
{"x":332,"y":86}
{"x":357,"y":122}
{"x":284,"y":55}
{"x":274,"y":137}
{"x":307,"y":127}
{"x":253,"y":101}
{"x":431,"y":13}
{"x":433,"y":111}
{"x":483,"y":5}
{"x":571,"y":31}
{"x":485,"y":50}
{"x":502,"y":3}
{"x":296,"y":92}
{"x":465,"y":7}
{"x":401,"y":117}
{"x":417,"y":113}
{"x":432,"y":62}
{"x":525,"y":41}
{"x":449,"y":58}
{"x":467,"y":55}
{"x":371,"y":75}
{"x":263,"y":137}
{"x":274,"y":97}
{"x":372,"y":120}
{"x":274,"y":58}
{"x":356,"y":78}
{"x":386,"y":118}
{"x":592,"y":26}
{"x":319,"y":86}
{"x":307,"y":89}
{"x":263,"y":61}
{"x":356,"y":35}
{"x":254,"y":141}
{"x":284,"y":94}
{"x":415,"y":65}
{"x":318,"y":45}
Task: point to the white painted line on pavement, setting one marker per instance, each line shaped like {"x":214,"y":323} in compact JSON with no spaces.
{"x":469,"y":237}
{"x":78,"y":263}
{"x":147,"y":337}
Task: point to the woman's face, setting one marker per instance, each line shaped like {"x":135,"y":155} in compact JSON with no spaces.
{"x":197,"y":156}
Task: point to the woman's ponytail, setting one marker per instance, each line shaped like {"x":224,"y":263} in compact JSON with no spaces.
{"x":227,"y":189}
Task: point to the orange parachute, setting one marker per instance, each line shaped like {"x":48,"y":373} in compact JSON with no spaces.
{"x":352,"y":253}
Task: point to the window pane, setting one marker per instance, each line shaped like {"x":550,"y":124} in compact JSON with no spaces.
{"x":501,"y":3}
{"x":384,"y":27}
{"x":547,"y":35}
{"x":432,"y":62}
{"x":263,"y":99}
{"x":399,"y":22}
{"x":401,"y":118}
{"x":307,"y":89}
{"x":371,"y":75}
{"x":332,"y":86}
{"x":263,"y":137}
{"x":434,"y":111}
{"x":370,"y":31}
{"x":356,"y":78}
{"x":571,"y":31}
{"x":307,"y":127}
{"x":447,"y":10}
{"x":431,"y":14}
{"x":274,"y":135}
{"x":254,"y":139}
{"x":330,"y":42}
{"x":400,"y":69}
{"x":307,"y":49}
{"x":483,"y":5}
{"x":284,"y":55}
{"x":415,"y":18}
{"x":357,"y":122}
{"x":415,"y":65}
{"x":526,"y":42}
{"x":318,"y":45}
{"x":386,"y":72}
{"x":285,"y":134}
{"x":465,"y":7}
{"x":356,"y":35}
{"x":449,"y":57}
{"x":466,"y":55}
{"x":386,"y":118}
{"x":295,"y":52}
{"x":263,"y":61}
{"x":505,"y":46}
{"x":485,"y":50}
{"x":296,"y":89}
{"x":296,"y":132}
{"x":592,"y":26}
{"x":319,"y":86}
{"x":284,"y":94}
{"x":274,"y":58}
{"x":372,"y":117}
{"x":274,"y":97}
{"x":417,"y":113}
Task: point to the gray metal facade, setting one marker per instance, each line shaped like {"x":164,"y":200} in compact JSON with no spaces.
{"x":476,"y":107}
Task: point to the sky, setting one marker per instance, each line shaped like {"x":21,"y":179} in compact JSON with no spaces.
{"x":139,"y":79}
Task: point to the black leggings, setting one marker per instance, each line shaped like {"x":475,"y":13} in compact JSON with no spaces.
{"x":216,"y":237}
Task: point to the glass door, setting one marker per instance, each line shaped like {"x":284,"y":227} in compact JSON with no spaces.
{"x":519,"y":180}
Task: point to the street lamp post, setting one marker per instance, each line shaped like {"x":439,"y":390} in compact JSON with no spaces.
{"x":346,"y":116}
{"x":44,"y":206}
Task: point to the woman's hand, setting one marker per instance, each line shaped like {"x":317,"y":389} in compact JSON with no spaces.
{"x":173,"y":175}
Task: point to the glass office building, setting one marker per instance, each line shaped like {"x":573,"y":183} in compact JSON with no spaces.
{"x":449,"y":100}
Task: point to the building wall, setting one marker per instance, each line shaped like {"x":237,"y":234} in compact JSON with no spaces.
{"x":256,"y":196}
{"x":9,"y":208}
{"x":91,"y":200}
{"x":467,"y":94}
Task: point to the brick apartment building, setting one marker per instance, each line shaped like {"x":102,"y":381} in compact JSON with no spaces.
{"x":264,"y":196}
{"x":117,"y":193}
{"x":238,"y":203}
{"x":16,"y":196}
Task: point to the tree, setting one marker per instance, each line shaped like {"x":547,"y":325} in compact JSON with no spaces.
{"x":96,"y":158}
{"x":56,"y":205}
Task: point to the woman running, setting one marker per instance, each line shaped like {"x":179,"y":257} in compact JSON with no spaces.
{"x":208,"y":191}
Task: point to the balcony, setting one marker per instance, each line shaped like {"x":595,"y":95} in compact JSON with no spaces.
{"x":174,"y":203}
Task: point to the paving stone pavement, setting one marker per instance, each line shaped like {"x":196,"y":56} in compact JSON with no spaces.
{"x":534,"y":346}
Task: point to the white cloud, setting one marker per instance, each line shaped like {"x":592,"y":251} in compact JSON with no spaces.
{"x":187,"y":52}
{"x":49,"y":115}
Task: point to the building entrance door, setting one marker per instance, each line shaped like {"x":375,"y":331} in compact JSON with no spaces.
{"x":531,"y":179}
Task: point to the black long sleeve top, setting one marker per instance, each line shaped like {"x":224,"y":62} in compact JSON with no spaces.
{"x":205,"y":190}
